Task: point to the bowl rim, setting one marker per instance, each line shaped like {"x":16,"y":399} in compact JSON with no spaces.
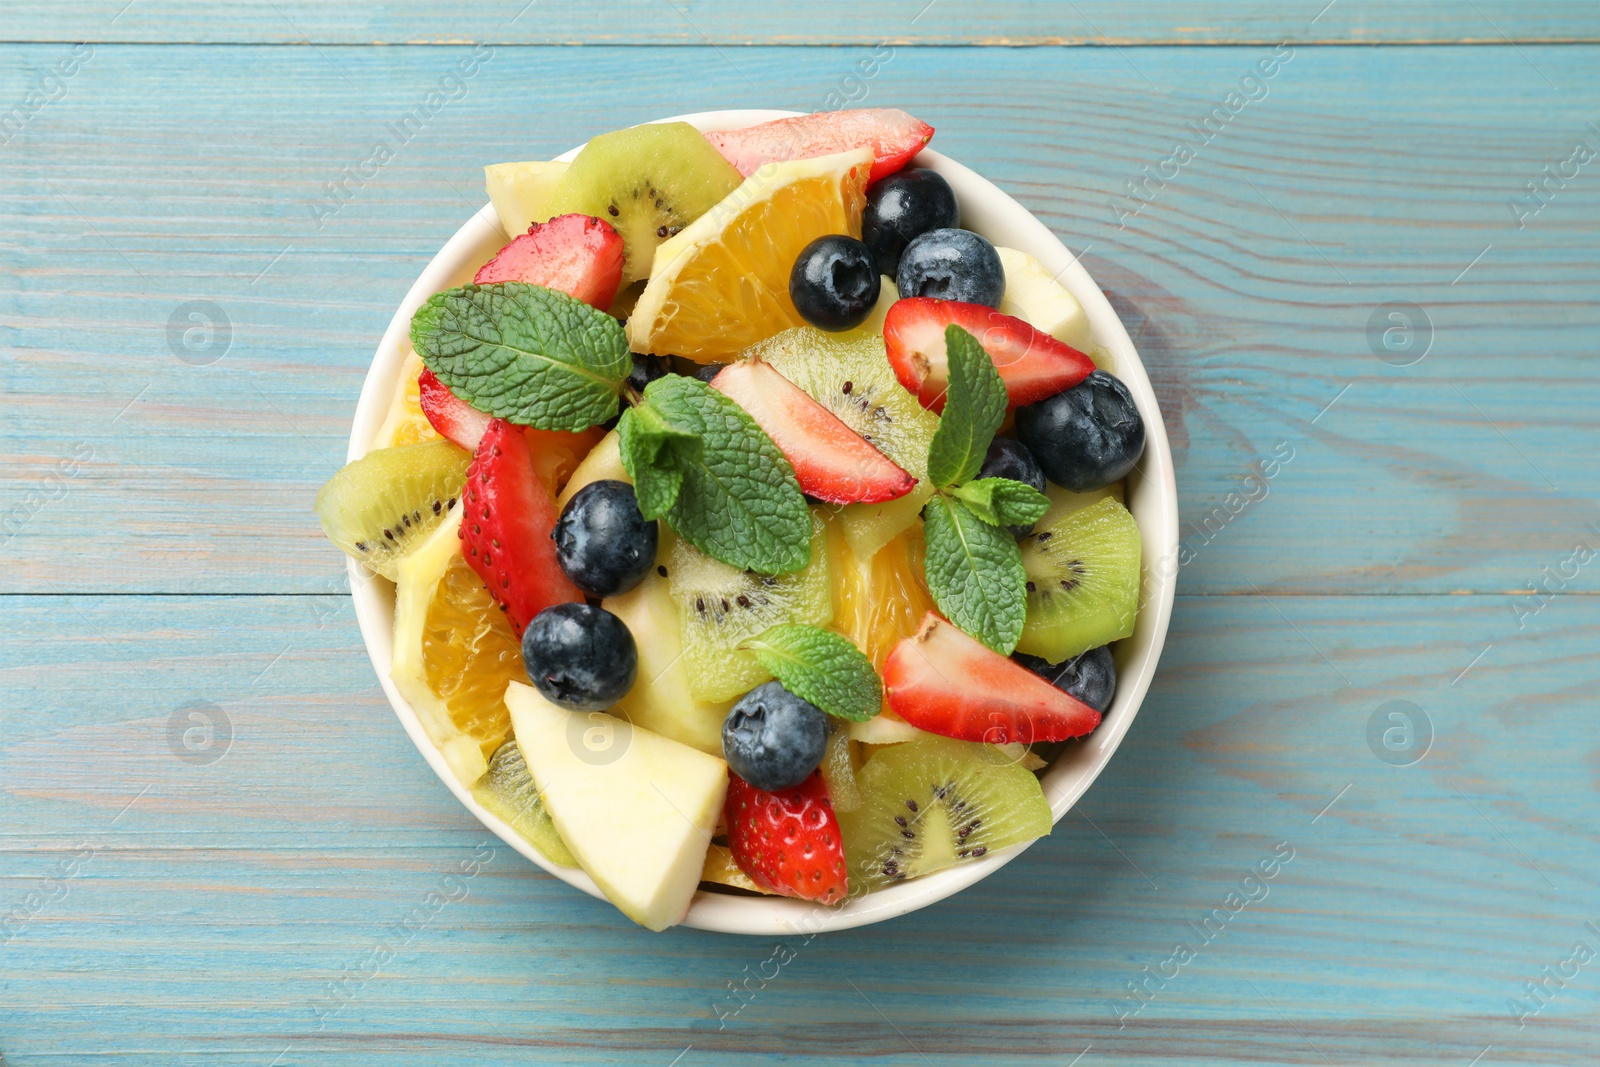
{"x":1151,"y":497}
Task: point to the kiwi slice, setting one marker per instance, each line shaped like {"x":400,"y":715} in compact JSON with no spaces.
{"x":721,"y":606}
{"x":1083,"y":581}
{"x":507,"y":791}
{"x":851,"y":377}
{"x":935,"y":802}
{"x":839,"y":769}
{"x":379,"y":508}
{"x":647,"y":181}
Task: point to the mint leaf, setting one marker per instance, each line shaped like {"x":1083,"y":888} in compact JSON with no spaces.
{"x":974,"y":408}
{"x":819,"y":666}
{"x":524,"y":353}
{"x":974,"y":572}
{"x":654,"y":452}
{"x":717,"y":479}
{"x":1003,"y":502}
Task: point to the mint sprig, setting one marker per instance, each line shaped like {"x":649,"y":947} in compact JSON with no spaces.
{"x":974,"y":408}
{"x":660,"y":451}
{"x":974,"y":571}
{"x":702,"y":464}
{"x":524,"y":353}
{"x":1003,"y":502}
{"x":972,"y":565}
{"x":821,"y":667}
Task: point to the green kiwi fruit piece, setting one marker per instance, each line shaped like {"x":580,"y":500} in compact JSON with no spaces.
{"x":721,"y":606}
{"x":379,"y":508}
{"x":1083,"y":581}
{"x":507,"y":791}
{"x":935,"y":802}
{"x":647,"y":181}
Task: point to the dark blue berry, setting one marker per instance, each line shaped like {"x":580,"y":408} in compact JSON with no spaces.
{"x":903,"y":207}
{"x":603,"y":542}
{"x":1008,"y":458}
{"x":580,"y":656}
{"x":1090,"y":677}
{"x":773,"y":739}
{"x":647,"y":369}
{"x":952,"y":265}
{"x":1085,"y":437}
{"x":709,"y":371}
{"x":834,"y":283}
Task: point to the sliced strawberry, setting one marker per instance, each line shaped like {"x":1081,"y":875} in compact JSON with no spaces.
{"x":893,"y":136}
{"x":788,"y":842}
{"x":577,"y":254}
{"x":451,"y":416}
{"x":1032,"y":364}
{"x":945,"y":682}
{"x":506,"y":520}
{"x":832,"y":461}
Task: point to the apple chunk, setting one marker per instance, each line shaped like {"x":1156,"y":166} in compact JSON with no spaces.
{"x":637,"y":809}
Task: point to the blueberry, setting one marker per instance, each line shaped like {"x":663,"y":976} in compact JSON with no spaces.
{"x":1086,"y":437}
{"x":834,"y":283}
{"x":952,"y":265}
{"x":1008,"y":458}
{"x":580,"y":656}
{"x":773,"y":739}
{"x":602,"y":540}
{"x":647,"y":369}
{"x":903,"y":207}
{"x":709,"y":371}
{"x":1090,"y":677}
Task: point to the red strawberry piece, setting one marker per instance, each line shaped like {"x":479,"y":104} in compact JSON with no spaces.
{"x":506,"y":519}
{"x":1032,"y":364}
{"x":831,"y":461}
{"x":451,"y":416}
{"x":787,"y":842}
{"x":945,"y":682}
{"x":893,"y":136}
{"x":579,"y":255}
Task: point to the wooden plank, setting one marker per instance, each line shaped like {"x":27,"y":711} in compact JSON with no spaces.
{"x":827,"y":22}
{"x":1365,"y":176}
{"x":212,"y":905}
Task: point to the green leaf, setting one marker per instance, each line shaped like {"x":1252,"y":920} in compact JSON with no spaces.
{"x":974,"y":572}
{"x":974,"y":408}
{"x":1003,"y":502}
{"x":524,"y":353}
{"x":819,"y":666}
{"x":717,"y":479}
{"x":655,"y":453}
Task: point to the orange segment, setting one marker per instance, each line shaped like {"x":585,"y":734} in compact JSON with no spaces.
{"x":557,"y":453}
{"x":881,"y":600}
{"x":405,"y":423}
{"x":469,"y":656}
{"x":454,"y":653}
{"x":723,"y":283}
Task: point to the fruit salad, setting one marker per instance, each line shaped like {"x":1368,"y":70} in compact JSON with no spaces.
{"x":754,"y":527}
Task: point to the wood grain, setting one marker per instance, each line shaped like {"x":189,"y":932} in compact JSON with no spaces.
{"x":825,"y":22}
{"x":1364,"y":177}
{"x":216,"y":908}
{"x":162,"y":561}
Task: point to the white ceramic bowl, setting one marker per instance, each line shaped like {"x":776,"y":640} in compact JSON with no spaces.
{"x":1152,"y":497}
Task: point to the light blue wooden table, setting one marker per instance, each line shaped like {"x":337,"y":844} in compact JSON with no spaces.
{"x":1426,"y":552}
